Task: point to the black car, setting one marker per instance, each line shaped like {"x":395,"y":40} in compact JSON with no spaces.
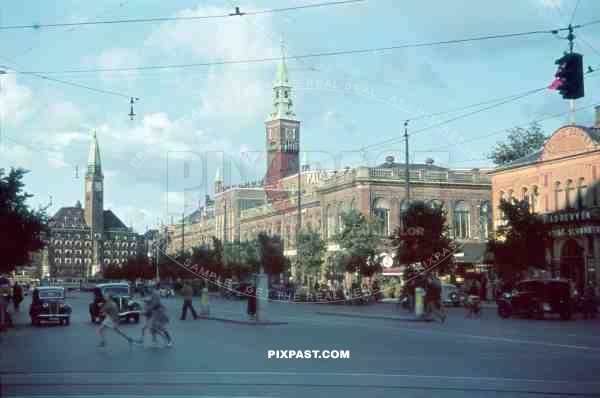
{"x":49,"y":304}
{"x":537,"y":297}
{"x":129,"y":309}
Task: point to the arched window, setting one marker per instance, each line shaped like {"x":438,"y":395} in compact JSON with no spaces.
{"x":525,"y":195}
{"x":461,"y":224}
{"x":485,"y":220}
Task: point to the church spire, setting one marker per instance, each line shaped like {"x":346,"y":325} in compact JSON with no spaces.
{"x":94,"y":164}
{"x":282,"y":91}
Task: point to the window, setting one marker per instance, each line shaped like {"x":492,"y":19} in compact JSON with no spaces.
{"x":581,"y":188}
{"x":535,"y":193}
{"x":568,"y":196}
{"x":461,"y":224}
{"x":557,"y":191}
{"x":381,"y":213}
{"x":485,"y":220}
{"x":436,"y":204}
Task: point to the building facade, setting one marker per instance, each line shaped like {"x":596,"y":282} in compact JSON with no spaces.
{"x":83,"y":240}
{"x":241,"y":212}
{"x":560,"y":182}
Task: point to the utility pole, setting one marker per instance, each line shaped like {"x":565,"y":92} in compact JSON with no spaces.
{"x":299,"y":216}
{"x":182,"y":233}
{"x":407,"y":176}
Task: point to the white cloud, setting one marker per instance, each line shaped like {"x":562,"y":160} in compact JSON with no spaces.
{"x":116,"y":58}
{"x":15,"y":100}
{"x":15,"y":155}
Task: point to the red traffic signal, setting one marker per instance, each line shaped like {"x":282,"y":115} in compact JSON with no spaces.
{"x":569,"y":76}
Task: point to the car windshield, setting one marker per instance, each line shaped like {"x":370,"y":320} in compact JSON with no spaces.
{"x":53,"y":293}
{"x":116,"y":290}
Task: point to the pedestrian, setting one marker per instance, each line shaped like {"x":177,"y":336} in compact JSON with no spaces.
{"x":148,"y":322}
{"x":159,"y":318}
{"x":4,"y":302}
{"x":188,"y":293}
{"x":111,"y":320}
{"x":17,"y":296}
{"x":433,"y":298}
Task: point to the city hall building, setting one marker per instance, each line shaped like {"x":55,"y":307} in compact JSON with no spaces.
{"x":560,"y":182}
{"x":83,"y":240}
{"x":241,"y":212}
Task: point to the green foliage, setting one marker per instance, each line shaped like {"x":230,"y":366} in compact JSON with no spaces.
{"x":423,"y":239}
{"x":310,"y":252}
{"x":520,"y":243}
{"x":521,"y":142}
{"x":137,"y":267}
{"x":360,"y":242}
{"x":21,"y":228}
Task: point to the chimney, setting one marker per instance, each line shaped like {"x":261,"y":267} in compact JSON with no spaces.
{"x":597,"y":117}
{"x":429,"y":161}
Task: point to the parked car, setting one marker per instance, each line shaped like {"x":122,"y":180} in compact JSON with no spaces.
{"x":49,"y":304}
{"x":537,"y":297}
{"x":450,"y":295}
{"x":129,"y":309}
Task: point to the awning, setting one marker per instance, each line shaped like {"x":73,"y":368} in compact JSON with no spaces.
{"x":397,"y":271}
{"x":471,"y":253}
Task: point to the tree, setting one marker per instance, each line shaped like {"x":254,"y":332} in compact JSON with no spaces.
{"x":21,"y":228}
{"x":360,"y":242}
{"x":113,"y":271}
{"x":310,"y":251}
{"x":137,"y":267}
{"x":422,"y":241}
{"x":270,"y":253}
{"x":521,"y":142}
{"x":520,"y":243}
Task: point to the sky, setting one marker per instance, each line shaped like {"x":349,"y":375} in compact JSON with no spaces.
{"x":46,"y":127}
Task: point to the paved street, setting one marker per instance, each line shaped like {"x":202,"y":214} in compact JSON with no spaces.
{"x":487,"y":357}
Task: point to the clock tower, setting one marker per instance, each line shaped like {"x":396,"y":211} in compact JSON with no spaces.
{"x":94,"y":191}
{"x":282,"y":128}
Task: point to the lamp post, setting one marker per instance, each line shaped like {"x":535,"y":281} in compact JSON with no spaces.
{"x":2,"y":72}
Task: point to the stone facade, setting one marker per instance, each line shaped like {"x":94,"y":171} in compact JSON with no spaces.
{"x":561,"y":183}
{"x":82,"y":241}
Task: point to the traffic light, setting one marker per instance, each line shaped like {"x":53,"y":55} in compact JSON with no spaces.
{"x":569,"y":76}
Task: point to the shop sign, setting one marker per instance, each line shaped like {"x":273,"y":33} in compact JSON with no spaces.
{"x":574,"y":216}
{"x":575,"y":231}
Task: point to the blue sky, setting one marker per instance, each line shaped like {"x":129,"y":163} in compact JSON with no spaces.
{"x":46,"y":127}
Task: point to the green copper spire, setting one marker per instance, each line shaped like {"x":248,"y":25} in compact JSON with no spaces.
{"x":94,"y":164}
{"x":282,"y":91}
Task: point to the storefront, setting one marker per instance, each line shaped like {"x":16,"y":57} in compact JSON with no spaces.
{"x":574,"y":245}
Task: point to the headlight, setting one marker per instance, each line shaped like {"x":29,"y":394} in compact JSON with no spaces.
{"x":507,"y":295}
{"x":546,"y":307}
{"x":45,"y":305}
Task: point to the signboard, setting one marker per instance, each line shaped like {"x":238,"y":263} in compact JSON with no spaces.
{"x":570,"y":216}
{"x":575,"y":231}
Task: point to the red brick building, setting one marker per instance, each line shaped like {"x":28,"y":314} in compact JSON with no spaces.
{"x":561,"y":183}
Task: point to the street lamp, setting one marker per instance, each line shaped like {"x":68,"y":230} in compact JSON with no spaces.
{"x":2,"y":72}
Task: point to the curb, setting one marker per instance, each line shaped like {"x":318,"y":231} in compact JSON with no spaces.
{"x":242,"y":322}
{"x":391,"y":318}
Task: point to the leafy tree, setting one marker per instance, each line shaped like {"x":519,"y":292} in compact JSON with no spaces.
{"x":21,"y":228}
{"x":310,"y":251}
{"x":113,"y":271}
{"x":360,"y":242}
{"x":520,"y":243}
{"x":423,"y":240}
{"x":137,"y":267}
{"x":270,"y":253}
{"x":521,"y":142}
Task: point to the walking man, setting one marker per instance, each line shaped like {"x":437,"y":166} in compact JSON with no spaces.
{"x":111,"y":321}
{"x":188,"y":293}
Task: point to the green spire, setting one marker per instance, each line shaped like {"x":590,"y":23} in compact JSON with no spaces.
{"x":282,"y":91}
{"x":94,"y":164}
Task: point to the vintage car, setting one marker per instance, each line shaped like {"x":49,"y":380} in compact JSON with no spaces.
{"x":537,"y":297}
{"x":49,"y":304}
{"x":129,"y":309}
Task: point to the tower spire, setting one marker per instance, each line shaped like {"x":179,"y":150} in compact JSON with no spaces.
{"x":94,"y":163}
{"x":282,"y":90}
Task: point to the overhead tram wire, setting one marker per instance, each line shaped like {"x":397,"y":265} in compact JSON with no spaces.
{"x":179,"y":18}
{"x":310,"y":55}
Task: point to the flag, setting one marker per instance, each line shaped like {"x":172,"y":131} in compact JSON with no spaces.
{"x":555,"y":84}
